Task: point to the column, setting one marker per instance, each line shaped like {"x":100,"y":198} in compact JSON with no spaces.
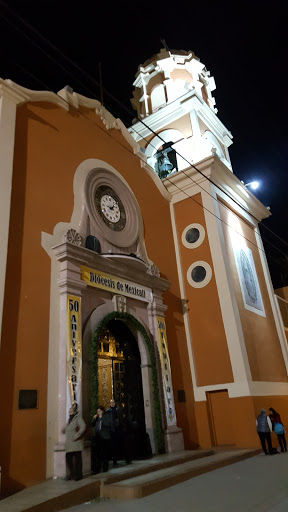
{"x":70,"y":283}
{"x":9,"y":99}
{"x":195,"y":123}
{"x":173,"y":435}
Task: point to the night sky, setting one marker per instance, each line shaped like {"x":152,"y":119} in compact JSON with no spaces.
{"x":242,"y":44}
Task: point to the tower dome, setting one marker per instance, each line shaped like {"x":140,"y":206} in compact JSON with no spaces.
{"x":167,"y":76}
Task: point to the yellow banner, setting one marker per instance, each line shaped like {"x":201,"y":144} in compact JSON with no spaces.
{"x":113,"y":284}
{"x":74,"y":347}
{"x":166,"y":371}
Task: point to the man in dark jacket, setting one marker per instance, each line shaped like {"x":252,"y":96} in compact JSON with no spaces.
{"x":264,"y":431}
{"x":115,"y":430}
{"x":100,"y":442}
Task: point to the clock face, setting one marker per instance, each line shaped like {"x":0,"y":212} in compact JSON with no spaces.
{"x":110,"y":208}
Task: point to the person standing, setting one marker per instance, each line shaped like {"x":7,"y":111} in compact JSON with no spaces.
{"x":115,"y":430}
{"x":264,"y":428}
{"x":278,"y":428}
{"x":100,"y":442}
{"x":74,"y":445}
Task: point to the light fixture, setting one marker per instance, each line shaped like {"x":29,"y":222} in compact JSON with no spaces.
{"x":253,"y":184}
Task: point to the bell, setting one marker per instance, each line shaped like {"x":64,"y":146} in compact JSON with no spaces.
{"x":166,"y":164}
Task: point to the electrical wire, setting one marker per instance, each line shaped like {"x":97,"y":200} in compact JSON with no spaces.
{"x":85,"y":73}
{"x":135,"y":156}
{"x":156,"y":134}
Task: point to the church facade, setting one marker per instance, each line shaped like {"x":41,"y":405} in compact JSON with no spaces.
{"x":131,"y":267}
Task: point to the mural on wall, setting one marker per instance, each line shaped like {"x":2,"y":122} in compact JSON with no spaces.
{"x":248,"y":279}
{"x":166,"y":371}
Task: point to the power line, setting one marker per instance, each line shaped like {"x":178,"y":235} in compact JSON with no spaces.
{"x":133,"y":154}
{"x":85,"y":73}
{"x":214,"y":198}
{"x":152,"y":131}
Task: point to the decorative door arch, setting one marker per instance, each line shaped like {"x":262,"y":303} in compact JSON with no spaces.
{"x":131,"y":321}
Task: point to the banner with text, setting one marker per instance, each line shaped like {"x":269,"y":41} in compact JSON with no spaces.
{"x":74,"y":347}
{"x":114,"y":284}
{"x":166,"y":371}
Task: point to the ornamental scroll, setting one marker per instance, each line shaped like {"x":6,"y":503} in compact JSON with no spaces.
{"x":166,"y":371}
{"x":74,"y":348}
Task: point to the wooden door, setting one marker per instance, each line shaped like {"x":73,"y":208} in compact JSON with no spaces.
{"x":221,"y":421}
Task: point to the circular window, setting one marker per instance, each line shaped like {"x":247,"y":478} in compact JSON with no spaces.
{"x":193,"y":236}
{"x":199,"y":274}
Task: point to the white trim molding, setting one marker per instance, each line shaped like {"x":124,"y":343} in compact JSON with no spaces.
{"x":236,"y":390}
{"x":9,"y":99}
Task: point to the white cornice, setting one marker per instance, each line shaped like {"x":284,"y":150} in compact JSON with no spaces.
{"x":82,"y":256}
{"x":9,"y":92}
{"x":190,"y":182}
{"x":30,"y":95}
{"x":176,"y":109}
{"x":65,"y":99}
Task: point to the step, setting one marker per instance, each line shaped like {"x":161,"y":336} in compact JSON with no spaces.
{"x":149,"y":483}
{"x":56,"y":495}
{"x":156,"y":463}
{"x":52,"y":496}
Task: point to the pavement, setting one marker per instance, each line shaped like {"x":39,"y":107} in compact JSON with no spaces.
{"x":259,"y":484}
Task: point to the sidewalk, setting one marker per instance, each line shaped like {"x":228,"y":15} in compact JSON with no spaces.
{"x":258,"y":484}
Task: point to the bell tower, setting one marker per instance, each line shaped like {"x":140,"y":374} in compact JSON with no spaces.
{"x":173,"y":95}
{"x":235,"y":340}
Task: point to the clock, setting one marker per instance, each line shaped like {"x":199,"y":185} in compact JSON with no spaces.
{"x":110,"y":208}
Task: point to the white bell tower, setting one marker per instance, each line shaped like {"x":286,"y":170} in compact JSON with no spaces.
{"x":173,"y":97}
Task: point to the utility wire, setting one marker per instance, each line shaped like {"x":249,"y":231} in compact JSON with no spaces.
{"x":156,"y":134}
{"x":85,"y":73}
{"x":135,"y":156}
{"x":214,"y":199}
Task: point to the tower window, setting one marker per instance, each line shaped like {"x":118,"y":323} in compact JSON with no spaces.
{"x":158,"y":97}
{"x":192,"y":235}
{"x":198,"y":274}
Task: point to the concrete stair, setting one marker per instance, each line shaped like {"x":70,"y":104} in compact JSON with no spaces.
{"x":139,"y":479}
{"x":150,"y":482}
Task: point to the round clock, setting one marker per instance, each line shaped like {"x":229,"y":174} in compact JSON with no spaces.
{"x":110,"y":208}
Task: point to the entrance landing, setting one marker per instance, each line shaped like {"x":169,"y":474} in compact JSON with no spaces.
{"x":141,"y":478}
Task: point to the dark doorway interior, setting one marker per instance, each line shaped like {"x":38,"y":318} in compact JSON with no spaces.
{"x":119,"y":367}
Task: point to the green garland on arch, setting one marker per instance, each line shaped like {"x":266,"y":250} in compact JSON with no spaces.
{"x":94,"y":370}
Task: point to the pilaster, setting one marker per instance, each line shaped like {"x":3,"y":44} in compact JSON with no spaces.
{"x":69,"y":283}
{"x":173,"y":435}
{"x":9,"y":99}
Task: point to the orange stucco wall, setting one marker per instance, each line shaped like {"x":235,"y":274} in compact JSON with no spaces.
{"x":209,"y":344}
{"x":50,"y":144}
{"x":240,"y":430}
{"x":261,"y":338}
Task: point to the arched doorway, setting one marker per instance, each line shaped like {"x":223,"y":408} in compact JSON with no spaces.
{"x":93,"y":332}
{"x":119,"y":377}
